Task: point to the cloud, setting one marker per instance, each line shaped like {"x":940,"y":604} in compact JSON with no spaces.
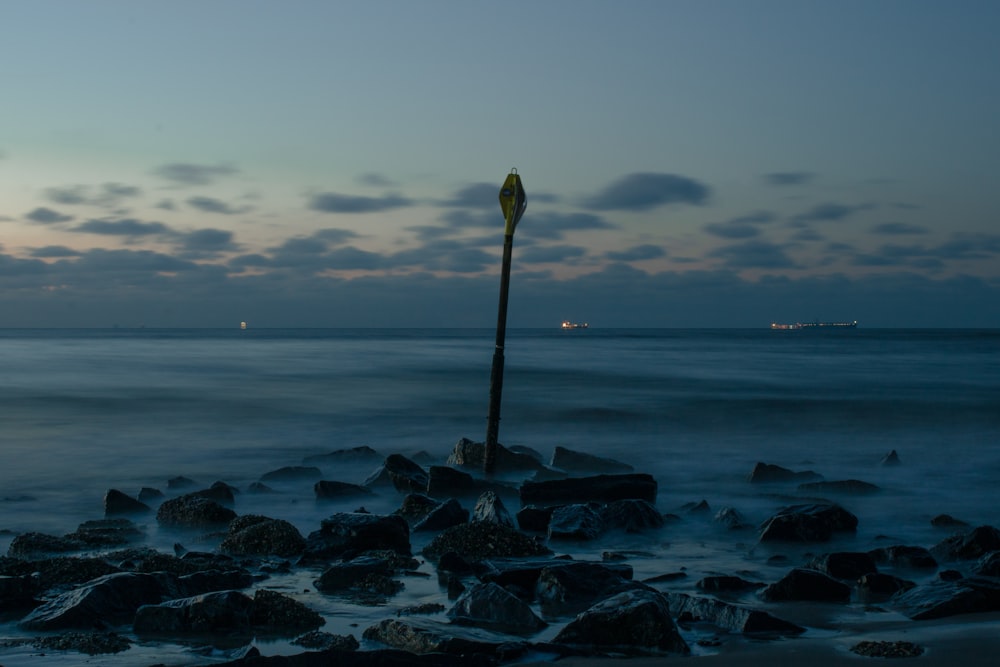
{"x":789,"y":178}
{"x":728,"y":230}
{"x":54,"y":251}
{"x":107,"y":194}
{"x":554,"y":226}
{"x":208,"y":241}
{"x":166,"y":205}
{"x":332,"y":202}
{"x":128,"y":227}
{"x":829,"y":212}
{"x":645,"y":191}
{"x":336,"y":236}
{"x":46,"y":216}
{"x":186,"y":173}
{"x":753,"y":255}
{"x":213,"y":205}
{"x":558,"y":254}
{"x":375,"y":180}
{"x":476,"y":195}
{"x":74,"y":194}
{"x":898,"y":228}
{"x":637,"y":253}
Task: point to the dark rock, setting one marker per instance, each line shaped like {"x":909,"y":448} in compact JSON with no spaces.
{"x":884,"y":649}
{"x":61,"y":571}
{"x":880,"y":586}
{"x":724,"y":583}
{"x":581,"y":462}
{"x":426,"y":636}
{"x":401,"y":473}
{"x":535,"y":519}
{"x":105,"y":601}
{"x":204,"y":581}
{"x":475,"y":541}
{"x":469,"y":454}
{"x":734,"y":618}
{"x":890,"y":459}
{"x":117,"y":503}
{"x":220,"y":613}
{"x":447,"y":482}
{"x":279,"y":615}
{"x":416,"y":506}
{"x":490,"y":606}
{"x":967,"y":546}
{"x":634,"y":622}
{"x":325,"y":640}
{"x":333,"y":490}
{"x":445,"y":515}
{"x":948,"y":521}
{"x":347,"y":657}
{"x":252,"y":535}
{"x":490,"y":509}
{"x":357,"y":532}
{"x":193,"y":511}
{"x":988,"y":565}
{"x":259,"y":488}
{"x":904,"y":557}
{"x":572,"y":586}
{"x":805,"y":584}
{"x":91,"y":643}
{"x":292,"y":474}
{"x":424,"y":608}
{"x":701,"y":507}
{"x":598,"y":488}
{"x":30,"y":545}
{"x":950,"y":575}
{"x":453,"y":563}
{"x":522,"y":574}
{"x":844,"y":564}
{"x":18,"y":591}
{"x":150,"y":495}
{"x":730,"y":518}
{"x":667,"y":576}
{"x":808,"y":523}
{"x":940,"y":599}
{"x":851,"y":487}
{"x":768,"y":472}
{"x":575,"y":522}
{"x":180,"y":482}
{"x":345,"y":576}
{"x":363,"y":455}
{"x":631,"y":515}
{"x":105,"y":533}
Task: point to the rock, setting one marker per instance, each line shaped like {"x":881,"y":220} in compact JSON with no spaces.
{"x":570,"y":587}
{"x":325,"y":640}
{"x":768,"y":472}
{"x":806,"y":584}
{"x":723,"y":583}
{"x":877,"y":585}
{"x":61,"y":571}
{"x":730,"y":518}
{"x":423,"y":608}
{"x":363,"y":455}
{"x":844,"y":564}
{"x":904,"y":557}
{"x":150,"y":495}
{"x":522,"y":573}
{"x":490,"y":606}
{"x":252,"y":535}
{"x":581,"y":462}
{"x":106,"y":533}
{"x":884,"y":649}
{"x":490,"y":509}
{"x":117,"y":503}
{"x":534,"y":518}
{"x":890,"y":459}
{"x":634,"y":622}
{"x":259,"y":488}
{"x":401,"y":473}
{"x":30,"y":545}
{"x":345,"y":576}
{"x":575,"y":522}
{"x":279,"y":615}
{"x":18,"y":591}
{"x":193,"y":511}
{"x":357,"y":532}
{"x":851,"y":487}
{"x":333,"y":490}
{"x":106,"y":601}
{"x":91,"y":643}
{"x":598,"y":488}
{"x":426,"y":636}
{"x":948,"y":521}
{"x":734,"y":618}
{"x":967,"y":546}
{"x":631,"y":515}
{"x":445,"y":515}
{"x":219,"y":613}
{"x":808,"y":523}
{"x":416,"y":506}
{"x":348,"y":657}
{"x":988,"y":565}
{"x":447,"y":482}
{"x":180,"y":482}
{"x":939,"y":599}
{"x":469,"y":454}
{"x":475,"y":541}
{"x":292,"y":474}
{"x":701,"y":507}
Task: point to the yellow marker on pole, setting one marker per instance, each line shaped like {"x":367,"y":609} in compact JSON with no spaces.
{"x":512,"y":202}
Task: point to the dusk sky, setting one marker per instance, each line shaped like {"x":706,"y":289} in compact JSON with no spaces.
{"x":337,"y":164}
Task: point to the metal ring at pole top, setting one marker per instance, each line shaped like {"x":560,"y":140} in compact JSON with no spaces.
{"x":513,"y":170}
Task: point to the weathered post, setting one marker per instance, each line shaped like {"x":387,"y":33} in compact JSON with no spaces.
{"x":512,"y":203}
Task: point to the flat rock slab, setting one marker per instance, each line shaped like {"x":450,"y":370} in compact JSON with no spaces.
{"x":596,"y":488}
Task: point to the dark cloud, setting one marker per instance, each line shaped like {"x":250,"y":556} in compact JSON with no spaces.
{"x":46,"y":216}
{"x":741,"y":227}
{"x":213,"y":205}
{"x":186,"y":173}
{"x":166,"y":205}
{"x":107,"y":194}
{"x":336,"y":236}
{"x":558,"y":254}
{"x":829,"y":212}
{"x":554,"y":226}
{"x":476,"y":195}
{"x":208,"y":241}
{"x":128,"y":227}
{"x":753,"y":255}
{"x":54,"y":251}
{"x":645,"y":191}
{"x":74,"y":194}
{"x":350,"y":258}
{"x":375,"y":180}
{"x":898,"y":228}
{"x":789,"y":177}
{"x":332,"y":202}
{"x":637,"y":253}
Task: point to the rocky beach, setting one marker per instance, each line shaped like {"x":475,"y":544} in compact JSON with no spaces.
{"x":568,"y":557}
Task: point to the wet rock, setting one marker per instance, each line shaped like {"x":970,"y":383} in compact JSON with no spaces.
{"x":575,"y":522}
{"x":180,"y":482}
{"x":634,"y":622}
{"x":490,"y":509}
{"x":32,"y":545}
{"x":971,"y":545}
{"x":357,"y":532}
{"x":904,"y":557}
{"x":884,"y":649}
{"x":890,"y":459}
{"x":701,"y":507}
{"x":522,"y":573}
{"x":259,"y":488}
{"x":570,"y":587}
{"x":400,"y":473}
{"x":730,"y":518}
{"x":424,"y":608}
{"x":292,"y":474}
{"x":598,"y":488}
{"x":106,"y":533}
{"x":731,"y":617}
{"x":17,"y":591}
{"x":988,"y":565}
{"x":479,"y":540}
{"x":581,"y":462}
{"x":469,"y":454}
{"x":808,"y":523}
{"x":453,"y":563}
{"x":253,"y":535}
{"x":103,"y":602}
{"x":424,"y":636}
{"x":768,"y":473}
{"x":416,"y":506}
{"x":939,"y":599}
{"x":363,"y":455}
{"x":877,"y":585}
{"x":631,"y":515}
{"x":490,"y":606}
{"x":345,"y":576}
{"x":220,"y":613}
{"x":91,"y":643}
{"x":326,"y":640}
{"x":148,"y":495}
{"x":806,"y":584}
{"x":844,"y":564}
{"x":117,"y":503}
{"x":62,"y":571}
{"x":332,"y":490}
{"x":948,"y":521}
{"x":193,"y":511}
{"x":850,"y":487}
{"x":279,"y":615}
{"x":534,"y":518}
{"x":726,"y":583}
{"x":445,"y":515}
{"x":447,"y":482}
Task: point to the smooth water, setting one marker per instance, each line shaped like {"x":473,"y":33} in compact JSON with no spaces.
{"x":84,"y":411}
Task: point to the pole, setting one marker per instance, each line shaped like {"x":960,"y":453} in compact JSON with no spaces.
{"x":496,"y":374}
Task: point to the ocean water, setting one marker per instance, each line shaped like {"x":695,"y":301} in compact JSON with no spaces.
{"x":83,"y":411}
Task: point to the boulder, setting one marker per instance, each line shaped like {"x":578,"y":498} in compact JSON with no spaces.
{"x":252,"y":535}
{"x":903,"y":556}
{"x":971,"y":545}
{"x":948,"y":521}
{"x":219,"y":613}
{"x":522,"y":573}
{"x":631,"y":515}
{"x":730,"y":518}
{"x":193,"y":511}
{"x":534,"y":518}
{"x":469,"y":454}
{"x":363,"y":455}
{"x":890,"y":459}
{"x":400,"y":473}
{"x":881,"y":586}
{"x":31,"y":545}
{"x":18,"y":591}
{"x":427,"y":636}
{"x":768,"y":472}
{"x":106,"y":533}
{"x":806,"y":584}
{"x":357,"y":532}
{"x":447,"y":482}
{"x":117,"y":503}
{"x":634,"y":622}
{"x":478,"y":540}
{"x":445,"y":515}
{"x":148,"y":494}
{"x":939,"y":599}
{"x":808,"y":523}
{"x":492,"y":607}
{"x":416,"y":506}
{"x":730,"y":617}
{"x":106,"y":601}
{"x":570,"y":587}
{"x":292,"y":474}
{"x":988,"y":565}
{"x":490,"y":509}
{"x":725,"y":583}
{"x":181,"y":482}
{"x":581,"y":462}
{"x":332,"y":490}
{"x":575,"y":522}
{"x":844,"y":564}
{"x":347,"y":575}
{"x":598,"y":488}
{"x":849,"y":487}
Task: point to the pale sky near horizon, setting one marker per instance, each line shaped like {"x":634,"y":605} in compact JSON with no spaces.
{"x":686,"y":163}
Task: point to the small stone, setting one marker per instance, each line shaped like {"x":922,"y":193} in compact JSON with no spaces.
{"x":885,"y":649}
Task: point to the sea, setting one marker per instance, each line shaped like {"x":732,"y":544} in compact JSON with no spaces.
{"x":83,"y":411}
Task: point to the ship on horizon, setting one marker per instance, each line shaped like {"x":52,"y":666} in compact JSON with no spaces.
{"x":814,"y":325}
{"x":574,"y":325}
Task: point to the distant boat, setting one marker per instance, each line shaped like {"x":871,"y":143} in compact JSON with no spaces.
{"x":814,"y":325}
{"x":574,"y":325}
{"x":243,"y":325}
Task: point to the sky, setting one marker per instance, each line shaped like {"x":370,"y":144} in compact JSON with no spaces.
{"x":703,"y":163}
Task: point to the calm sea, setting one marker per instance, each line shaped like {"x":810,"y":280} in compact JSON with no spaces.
{"x":88,"y":410}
